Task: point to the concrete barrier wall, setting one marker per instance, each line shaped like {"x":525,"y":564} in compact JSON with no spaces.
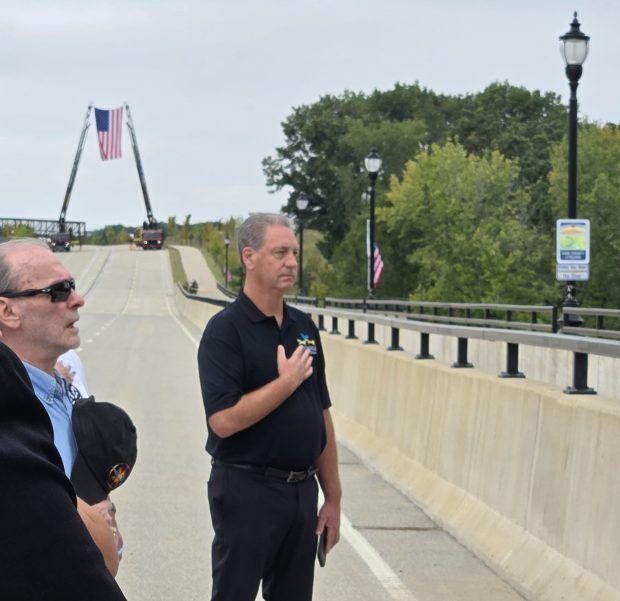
{"x":524,"y":475}
{"x":197,"y":312}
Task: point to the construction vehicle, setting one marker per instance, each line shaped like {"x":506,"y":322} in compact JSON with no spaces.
{"x":63,"y":238}
{"x":150,"y":235}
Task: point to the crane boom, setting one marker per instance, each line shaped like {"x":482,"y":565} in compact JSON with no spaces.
{"x":152,"y":222}
{"x":151,"y":236}
{"x":76,"y":162}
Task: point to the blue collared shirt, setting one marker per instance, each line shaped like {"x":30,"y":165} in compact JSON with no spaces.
{"x":53,"y":394}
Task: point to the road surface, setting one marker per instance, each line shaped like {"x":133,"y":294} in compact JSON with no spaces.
{"x":140,"y":354}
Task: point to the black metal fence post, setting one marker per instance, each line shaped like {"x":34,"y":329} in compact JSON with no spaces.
{"x":461,"y":360}
{"x":351,"y":333}
{"x":580,"y":376}
{"x":512,"y":362}
{"x":424,"y":347}
{"x":395,"y":346}
{"x":371,"y":334}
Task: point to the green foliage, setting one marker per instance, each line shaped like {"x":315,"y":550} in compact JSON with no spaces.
{"x":178,"y":272}
{"x":110,"y":234}
{"x":520,"y":125}
{"x":598,"y":199}
{"x":327,"y":141}
{"x":460,"y":222}
{"x":315,"y":266}
{"x":22,"y":231}
{"x":171,"y":227}
{"x":186,"y":231}
{"x":349,"y":264}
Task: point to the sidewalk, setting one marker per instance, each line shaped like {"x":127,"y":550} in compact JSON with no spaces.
{"x":196,"y":268}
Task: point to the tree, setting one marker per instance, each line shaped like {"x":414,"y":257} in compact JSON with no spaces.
{"x":520,"y":125}
{"x":171,"y":227}
{"x":327,"y":141}
{"x":598,"y":194}
{"x":23,"y":230}
{"x":460,"y":221}
{"x":186,"y":232}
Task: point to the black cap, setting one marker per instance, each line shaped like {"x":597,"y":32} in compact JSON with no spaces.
{"x":107,"y":448}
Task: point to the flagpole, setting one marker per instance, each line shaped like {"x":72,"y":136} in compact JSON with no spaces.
{"x":368,"y":256}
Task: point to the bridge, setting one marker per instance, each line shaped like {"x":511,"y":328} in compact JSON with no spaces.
{"x":458,"y":484}
{"x":43,"y":227}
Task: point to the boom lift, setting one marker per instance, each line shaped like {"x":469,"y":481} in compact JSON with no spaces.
{"x":150,"y":235}
{"x":62,"y":239}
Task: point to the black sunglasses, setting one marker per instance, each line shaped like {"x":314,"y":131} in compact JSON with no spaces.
{"x":59,"y":292}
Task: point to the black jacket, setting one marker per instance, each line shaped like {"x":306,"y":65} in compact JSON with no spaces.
{"x":46,"y":553}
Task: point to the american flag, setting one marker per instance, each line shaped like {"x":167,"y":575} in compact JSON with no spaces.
{"x":378,"y":266}
{"x":109,"y":127}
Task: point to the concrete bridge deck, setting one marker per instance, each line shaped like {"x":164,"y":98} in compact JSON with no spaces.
{"x":139,"y":340}
{"x":141,"y":353}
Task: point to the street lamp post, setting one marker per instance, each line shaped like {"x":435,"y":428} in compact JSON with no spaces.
{"x":302,"y":205}
{"x":226,"y":245}
{"x":373,"y":164}
{"x":574,"y":49}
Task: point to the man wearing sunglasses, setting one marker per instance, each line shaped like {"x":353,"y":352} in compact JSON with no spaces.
{"x":38,"y":315}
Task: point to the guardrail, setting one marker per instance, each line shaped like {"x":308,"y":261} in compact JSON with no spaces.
{"x":597,"y":317}
{"x":203,"y":299}
{"x":580,"y":346}
{"x":524,"y":317}
{"x":466,"y":328}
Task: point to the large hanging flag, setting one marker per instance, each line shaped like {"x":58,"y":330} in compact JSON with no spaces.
{"x":109,"y":127}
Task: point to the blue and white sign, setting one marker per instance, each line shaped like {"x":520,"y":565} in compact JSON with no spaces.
{"x":573,"y":241}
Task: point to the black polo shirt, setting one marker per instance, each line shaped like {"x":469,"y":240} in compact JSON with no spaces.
{"x":237,"y":355}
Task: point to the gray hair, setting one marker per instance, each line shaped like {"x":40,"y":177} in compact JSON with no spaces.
{"x":252,"y":231}
{"x":8,"y":279}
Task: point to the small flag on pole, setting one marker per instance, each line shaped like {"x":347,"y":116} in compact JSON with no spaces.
{"x":378,"y":266}
{"x":109,"y":127}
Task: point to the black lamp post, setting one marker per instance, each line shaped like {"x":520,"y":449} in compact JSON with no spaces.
{"x":373,"y":164}
{"x":226,"y":245}
{"x":574,"y":49}
{"x":302,"y":205}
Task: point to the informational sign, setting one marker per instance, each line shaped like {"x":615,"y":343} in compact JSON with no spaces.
{"x":572,"y":273}
{"x":573,"y":250}
{"x":573,"y":241}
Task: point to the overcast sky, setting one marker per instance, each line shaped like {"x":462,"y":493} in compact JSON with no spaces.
{"x":210,"y":81}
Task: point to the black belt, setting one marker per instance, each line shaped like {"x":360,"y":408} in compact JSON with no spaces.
{"x":271,"y":472}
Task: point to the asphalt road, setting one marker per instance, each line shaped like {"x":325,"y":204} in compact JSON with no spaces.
{"x":140,"y":354}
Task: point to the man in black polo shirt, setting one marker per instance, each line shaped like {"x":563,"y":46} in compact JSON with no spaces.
{"x":263,"y":384}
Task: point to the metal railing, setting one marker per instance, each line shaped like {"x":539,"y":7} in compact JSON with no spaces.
{"x":580,"y":346}
{"x":203,"y":299}
{"x":467,"y":327}
{"x":597,"y":323}
{"x":524,"y":317}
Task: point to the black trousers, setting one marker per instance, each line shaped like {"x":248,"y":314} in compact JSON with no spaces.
{"x":264,"y":530}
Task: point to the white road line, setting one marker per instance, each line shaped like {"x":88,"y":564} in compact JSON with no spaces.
{"x":388,"y":579}
{"x":187,"y":332}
